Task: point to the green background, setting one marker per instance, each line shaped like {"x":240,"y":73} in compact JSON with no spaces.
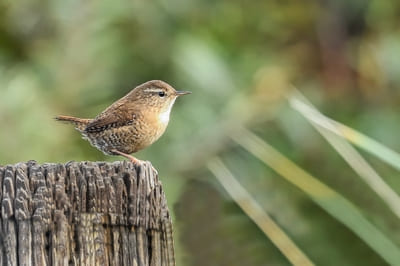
{"x":239,"y":58}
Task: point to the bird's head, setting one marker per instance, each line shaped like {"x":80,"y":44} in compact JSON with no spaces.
{"x":158,"y":96}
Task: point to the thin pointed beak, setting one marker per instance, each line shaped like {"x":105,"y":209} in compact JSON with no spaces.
{"x":180,"y":93}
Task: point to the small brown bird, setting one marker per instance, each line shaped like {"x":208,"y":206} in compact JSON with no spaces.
{"x":132,"y":123}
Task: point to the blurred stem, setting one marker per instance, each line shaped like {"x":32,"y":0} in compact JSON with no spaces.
{"x":370,"y":145}
{"x":251,"y":207}
{"x":348,"y":152}
{"x":362,"y":141}
{"x":332,"y":202}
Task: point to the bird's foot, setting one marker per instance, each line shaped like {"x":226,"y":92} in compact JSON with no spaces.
{"x":128,"y":156}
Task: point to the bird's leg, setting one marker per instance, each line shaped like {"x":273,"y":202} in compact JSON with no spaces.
{"x":130,"y":157}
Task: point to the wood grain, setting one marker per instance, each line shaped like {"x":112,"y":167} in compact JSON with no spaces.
{"x":84,"y":213}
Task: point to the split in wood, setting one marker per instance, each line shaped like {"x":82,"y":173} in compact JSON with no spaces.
{"x":83,"y":213}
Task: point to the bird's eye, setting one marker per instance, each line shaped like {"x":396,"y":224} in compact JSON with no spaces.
{"x":161,"y":94}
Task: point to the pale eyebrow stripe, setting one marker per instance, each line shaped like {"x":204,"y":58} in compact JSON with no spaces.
{"x":152,"y":90}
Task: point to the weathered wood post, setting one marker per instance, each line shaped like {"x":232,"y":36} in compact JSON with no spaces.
{"x":83,"y":213}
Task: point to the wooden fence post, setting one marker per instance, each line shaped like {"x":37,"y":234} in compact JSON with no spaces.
{"x":83,"y":213}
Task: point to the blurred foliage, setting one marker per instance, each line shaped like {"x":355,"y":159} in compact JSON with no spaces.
{"x":240,"y":59}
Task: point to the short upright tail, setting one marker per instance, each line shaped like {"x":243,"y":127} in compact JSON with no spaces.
{"x":80,"y":123}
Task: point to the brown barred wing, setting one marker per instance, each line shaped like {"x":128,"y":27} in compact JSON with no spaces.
{"x":109,"y":121}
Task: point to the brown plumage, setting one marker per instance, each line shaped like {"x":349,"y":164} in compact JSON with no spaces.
{"x":132,"y":123}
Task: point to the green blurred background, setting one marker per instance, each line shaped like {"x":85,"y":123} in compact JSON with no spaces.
{"x":240,"y":59}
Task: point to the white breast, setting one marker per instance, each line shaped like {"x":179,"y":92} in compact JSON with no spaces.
{"x":164,"y":116}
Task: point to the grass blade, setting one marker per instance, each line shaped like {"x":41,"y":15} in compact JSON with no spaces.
{"x":332,"y":202}
{"x":362,"y":141}
{"x":369,"y":145}
{"x":251,"y":207}
{"x":348,"y":152}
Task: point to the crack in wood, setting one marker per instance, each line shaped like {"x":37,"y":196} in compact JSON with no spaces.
{"x":84,"y":213}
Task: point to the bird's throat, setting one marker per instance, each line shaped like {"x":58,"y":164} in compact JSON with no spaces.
{"x":163,"y":117}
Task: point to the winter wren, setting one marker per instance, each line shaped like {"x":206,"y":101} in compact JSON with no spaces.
{"x":133,"y":122}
